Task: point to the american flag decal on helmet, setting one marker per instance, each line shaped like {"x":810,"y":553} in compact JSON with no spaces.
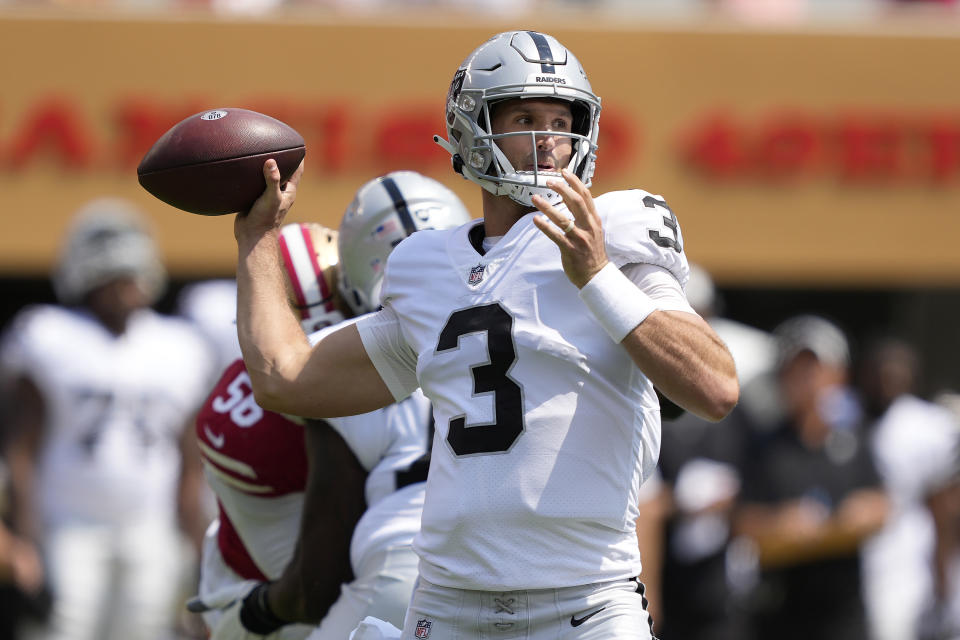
{"x":476,"y":274}
{"x":423,"y":628}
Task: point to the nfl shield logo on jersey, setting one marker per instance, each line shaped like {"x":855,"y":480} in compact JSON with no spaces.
{"x":476,"y":274}
{"x":423,"y":628}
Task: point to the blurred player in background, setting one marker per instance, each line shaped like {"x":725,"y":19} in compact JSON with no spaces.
{"x":915,"y":444}
{"x":101,"y":462}
{"x":546,"y":416}
{"x":269,"y":486}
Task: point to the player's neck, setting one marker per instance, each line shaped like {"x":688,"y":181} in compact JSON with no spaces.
{"x":500,"y":213}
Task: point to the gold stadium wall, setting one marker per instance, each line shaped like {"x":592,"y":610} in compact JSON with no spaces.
{"x":789,"y":157}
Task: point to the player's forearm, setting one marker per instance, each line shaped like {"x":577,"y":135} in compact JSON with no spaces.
{"x":273,"y":344}
{"x":686,"y":361}
{"x":832,"y":540}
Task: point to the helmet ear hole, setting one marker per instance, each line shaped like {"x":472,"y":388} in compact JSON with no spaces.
{"x":581,"y":118}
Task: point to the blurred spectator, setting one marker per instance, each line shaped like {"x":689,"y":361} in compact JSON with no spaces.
{"x":699,"y":462}
{"x":100,"y":466}
{"x":810,"y":494}
{"x":915,"y":445}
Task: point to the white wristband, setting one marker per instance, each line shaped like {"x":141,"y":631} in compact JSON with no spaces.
{"x":616,"y":302}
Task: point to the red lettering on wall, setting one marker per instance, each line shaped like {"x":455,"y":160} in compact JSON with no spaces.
{"x":52,"y":127}
{"x":787,"y":146}
{"x":617,"y":144}
{"x":139,"y":123}
{"x":871,"y":148}
{"x":713,"y":146}
{"x":333,"y":125}
{"x":875,"y":147}
{"x":943,"y":136}
{"x":340,"y":136}
{"x":404,"y":139}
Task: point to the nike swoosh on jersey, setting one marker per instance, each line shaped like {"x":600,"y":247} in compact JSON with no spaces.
{"x":216,"y":440}
{"x":576,"y":622}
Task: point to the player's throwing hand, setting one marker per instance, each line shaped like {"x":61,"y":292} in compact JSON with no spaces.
{"x":580,"y":239}
{"x":270,"y":209}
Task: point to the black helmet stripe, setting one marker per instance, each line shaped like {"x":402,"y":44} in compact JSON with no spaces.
{"x":543,"y":48}
{"x":400,"y":204}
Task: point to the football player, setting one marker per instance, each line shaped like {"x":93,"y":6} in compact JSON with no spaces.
{"x":355,"y":492}
{"x":538,"y":333}
{"x":105,"y":389}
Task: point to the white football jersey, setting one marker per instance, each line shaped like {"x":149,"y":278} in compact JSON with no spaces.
{"x":115,"y":409}
{"x":545,"y":429}
{"x":388,"y":443}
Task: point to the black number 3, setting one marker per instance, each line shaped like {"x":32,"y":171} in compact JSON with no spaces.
{"x":669,"y":222}
{"x":491,"y":377}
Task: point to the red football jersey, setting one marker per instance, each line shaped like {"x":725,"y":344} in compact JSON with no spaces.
{"x":260,"y":452}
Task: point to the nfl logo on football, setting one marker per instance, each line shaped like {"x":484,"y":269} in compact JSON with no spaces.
{"x":423,"y":628}
{"x":476,"y":274}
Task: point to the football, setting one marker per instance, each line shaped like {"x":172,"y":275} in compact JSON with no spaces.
{"x":212,"y":163}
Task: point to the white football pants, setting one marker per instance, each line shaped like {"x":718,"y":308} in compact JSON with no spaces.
{"x":603,"y":611}
{"x":113,"y":582}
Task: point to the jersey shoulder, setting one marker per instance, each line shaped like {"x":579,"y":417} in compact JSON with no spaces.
{"x":415,"y":250}
{"x":415,"y":258}
{"x":42,"y":332}
{"x":640,"y":227}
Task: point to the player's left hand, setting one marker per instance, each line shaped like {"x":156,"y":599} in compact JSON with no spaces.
{"x":582,"y":250}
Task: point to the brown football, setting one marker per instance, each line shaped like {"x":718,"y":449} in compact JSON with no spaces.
{"x":212,"y":162}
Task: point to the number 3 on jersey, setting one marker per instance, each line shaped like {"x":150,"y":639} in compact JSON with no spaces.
{"x":672,"y":240}
{"x":239,"y":402}
{"x":494,"y":376}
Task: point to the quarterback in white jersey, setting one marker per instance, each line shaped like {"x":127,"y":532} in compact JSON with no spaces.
{"x":538,"y":333}
{"x":256,"y":463}
{"x":590,"y":435}
{"x":100,"y":469}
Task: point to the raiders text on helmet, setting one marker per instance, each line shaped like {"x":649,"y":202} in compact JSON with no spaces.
{"x":384,"y":212}
{"x":517,"y":64}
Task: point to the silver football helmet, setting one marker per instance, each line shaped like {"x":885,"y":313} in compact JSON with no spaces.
{"x":310,"y":261}
{"x":384,"y":211}
{"x":517,"y":64}
{"x":107,"y":239}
